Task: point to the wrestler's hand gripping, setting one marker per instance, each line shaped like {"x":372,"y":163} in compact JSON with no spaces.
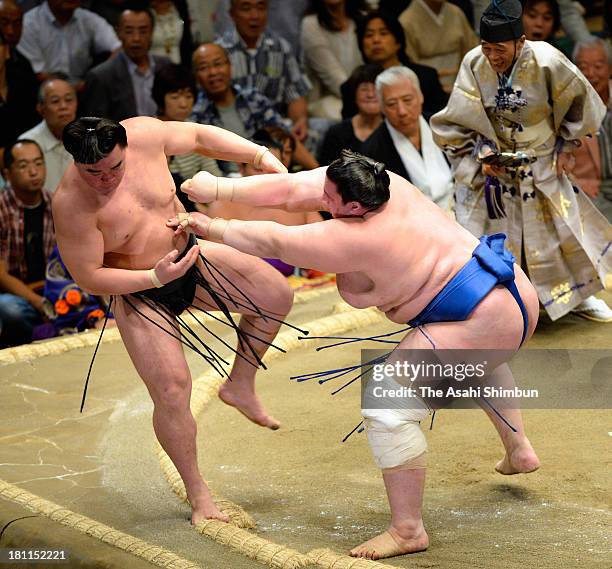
{"x":200,"y":224}
{"x":166,"y":270}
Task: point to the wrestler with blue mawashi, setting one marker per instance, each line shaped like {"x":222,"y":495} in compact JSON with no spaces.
{"x":391,"y":247}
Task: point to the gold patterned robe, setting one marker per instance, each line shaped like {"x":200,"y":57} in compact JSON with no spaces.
{"x":565,"y":240}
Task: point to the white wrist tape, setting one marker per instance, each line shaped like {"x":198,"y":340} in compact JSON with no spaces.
{"x":184,"y":220}
{"x":258,"y":157}
{"x":216,"y":228}
{"x":225,"y":189}
{"x":153,"y":276}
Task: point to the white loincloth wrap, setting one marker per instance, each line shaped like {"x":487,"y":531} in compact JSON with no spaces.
{"x":395,"y":436}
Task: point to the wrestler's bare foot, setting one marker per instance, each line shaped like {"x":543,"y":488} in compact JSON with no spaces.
{"x":204,"y":508}
{"x":393,"y":542}
{"x":521,"y":460}
{"x":241,"y":395}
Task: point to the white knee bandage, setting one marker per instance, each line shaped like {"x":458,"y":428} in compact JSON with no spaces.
{"x":395,"y":436}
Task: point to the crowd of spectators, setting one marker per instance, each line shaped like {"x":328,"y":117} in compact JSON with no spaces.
{"x":306,"y":78}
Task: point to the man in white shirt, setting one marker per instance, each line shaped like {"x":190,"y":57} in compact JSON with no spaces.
{"x":57,"y":104}
{"x":404,"y":141}
{"x":58,"y":35}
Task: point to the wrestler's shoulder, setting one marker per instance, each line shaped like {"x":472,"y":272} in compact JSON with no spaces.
{"x":397,"y":181}
{"x":142,"y":128}
{"x":66,"y":188}
{"x":69,"y":195}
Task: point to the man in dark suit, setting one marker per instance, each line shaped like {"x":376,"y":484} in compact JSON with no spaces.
{"x":120,"y":87}
{"x":380,"y":147}
{"x":403,"y":141}
{"x":18,"y":103}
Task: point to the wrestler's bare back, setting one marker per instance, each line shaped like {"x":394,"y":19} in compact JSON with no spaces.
{"x":401,"y":255}
{"x":131,"y":218}
{"x":419,"y":249}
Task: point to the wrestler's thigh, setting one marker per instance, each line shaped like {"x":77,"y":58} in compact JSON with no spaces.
{"x":529,"y":296}
{"x":455,"y":342}
{"x":157,"y":356}
{"x":258,"y":280}
{"x":414,"y":340}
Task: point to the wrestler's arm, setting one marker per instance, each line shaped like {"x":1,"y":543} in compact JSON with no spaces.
{"x":212,"y":141}
{"x":81,"y":246}
{"x":302,"y":191}
{"x":332,"y":246}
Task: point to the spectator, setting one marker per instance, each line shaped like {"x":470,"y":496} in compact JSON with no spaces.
{"x":26,"y":241}
{"x":571,"y":20}
{"x":437,"y":34}
{"x":263,"y":61}
{"x":395,"y":7}
{"x":226,"y":105}
{"x":242,"y":110}
{"x":593,"y":170}
{"x":404,"y":141}
{"x":120,"y":88}
{"x":352,"y":132}
{"x":283,"y":137}
{"x":541,"y":22}
{"x":382,"y":40}
{"x":174,"y":93}
{"x":541,"y":19}
{"x":203,"y":20}
{"x":172,"y":30}
{"x":61,"y":36}
{"x":11,"y":22}
{"x":57,"y":104}
{"x":330,"y":51}
{"x":284,"y":19}
{"x":18,"y":83}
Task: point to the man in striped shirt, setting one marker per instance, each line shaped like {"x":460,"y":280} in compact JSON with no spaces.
{"x":225,"y":104}
{"x":266,"y":62}
{"x":26,"y":240}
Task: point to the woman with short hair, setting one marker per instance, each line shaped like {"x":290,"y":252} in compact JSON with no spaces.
{"x":353,"y":131}
{"x":174,"y":93}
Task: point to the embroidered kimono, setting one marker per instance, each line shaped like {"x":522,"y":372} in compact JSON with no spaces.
{"x":544,"y":105}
